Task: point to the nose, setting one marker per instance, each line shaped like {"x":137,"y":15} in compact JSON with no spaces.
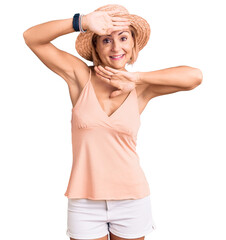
{"x":116,"y":46}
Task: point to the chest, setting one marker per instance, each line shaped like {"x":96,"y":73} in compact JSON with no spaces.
{"x":88,"y":114}
{"x":109,"y":105}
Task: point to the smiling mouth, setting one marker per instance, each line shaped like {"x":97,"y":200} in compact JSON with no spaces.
{"x":117,"y":57}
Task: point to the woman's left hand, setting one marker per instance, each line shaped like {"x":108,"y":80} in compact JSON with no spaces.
{"x":123,"y":80}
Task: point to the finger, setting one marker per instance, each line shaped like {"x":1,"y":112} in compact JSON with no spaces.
{"x":111,"y":69}
{"x":108,"y":73}
{"x":107,"y":80}
{"x":115,"y":93}
{"x":118,"y":28}
{"x":112,"y":12}
{"x":100,"y":69}
{"x":121,"y":23}
{"x":119,"y":19}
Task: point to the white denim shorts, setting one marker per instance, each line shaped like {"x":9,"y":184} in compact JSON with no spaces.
{"x":89,"y":219}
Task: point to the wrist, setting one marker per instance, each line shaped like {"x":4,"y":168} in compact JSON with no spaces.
{"x":84,"y":23}
{"x":138,"y":78}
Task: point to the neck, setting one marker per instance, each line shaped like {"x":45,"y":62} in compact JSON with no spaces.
{"x":120,"y":69}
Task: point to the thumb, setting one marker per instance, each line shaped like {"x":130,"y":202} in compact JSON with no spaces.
{"x":115,"y":93}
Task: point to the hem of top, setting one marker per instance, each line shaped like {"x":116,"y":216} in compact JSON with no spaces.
{"x":109,"y":199}
{"x":87,"y":236}
{"x":131,"y":236}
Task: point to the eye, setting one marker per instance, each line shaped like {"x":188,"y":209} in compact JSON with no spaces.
{"x":106,"y":40}
{"x":125,"y":38}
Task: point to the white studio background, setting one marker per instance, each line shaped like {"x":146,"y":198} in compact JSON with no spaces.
{"x":181,"y":138}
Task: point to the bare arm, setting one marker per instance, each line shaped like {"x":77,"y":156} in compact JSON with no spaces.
{"x":169,"y":80}
{"x":154,"y":83}
{"x":38,"y":40}
{"x":64,"y":64}
{"x":181,"y":76}
{"x":48,"y":31}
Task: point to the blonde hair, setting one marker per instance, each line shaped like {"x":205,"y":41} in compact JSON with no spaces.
{"x":135,"y":50}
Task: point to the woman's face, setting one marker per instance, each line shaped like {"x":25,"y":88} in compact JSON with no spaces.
{"x":111,"y":47}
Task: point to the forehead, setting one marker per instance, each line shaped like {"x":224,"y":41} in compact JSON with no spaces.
{"x":117,"y":33}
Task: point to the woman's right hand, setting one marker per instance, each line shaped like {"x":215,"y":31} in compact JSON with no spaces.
{"x":102,"y":23}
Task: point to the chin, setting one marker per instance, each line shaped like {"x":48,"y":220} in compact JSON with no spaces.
{"x":118,"y":64}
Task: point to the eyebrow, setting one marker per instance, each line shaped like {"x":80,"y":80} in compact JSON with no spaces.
{"x":118,"y":34}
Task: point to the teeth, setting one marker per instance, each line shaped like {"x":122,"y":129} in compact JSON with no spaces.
{"x":118,"y":56}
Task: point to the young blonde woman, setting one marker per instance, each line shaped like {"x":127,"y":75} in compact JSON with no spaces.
{"x":107,"y":190}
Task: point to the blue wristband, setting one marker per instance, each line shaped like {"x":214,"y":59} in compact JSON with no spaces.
{"x":76,"y":22}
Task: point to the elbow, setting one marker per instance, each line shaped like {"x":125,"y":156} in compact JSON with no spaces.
{"x":25,"y":37}
{"x":197,"y":78}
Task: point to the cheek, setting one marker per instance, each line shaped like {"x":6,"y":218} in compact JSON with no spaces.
{"x":101,"y":48}
{"x":129,"y":45}
{"x":104,"y":52}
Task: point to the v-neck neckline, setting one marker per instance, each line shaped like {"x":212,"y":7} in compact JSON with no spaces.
{"x":100,"y":107}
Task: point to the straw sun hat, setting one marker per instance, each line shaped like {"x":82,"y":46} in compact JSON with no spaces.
{"x":83,"y":42}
